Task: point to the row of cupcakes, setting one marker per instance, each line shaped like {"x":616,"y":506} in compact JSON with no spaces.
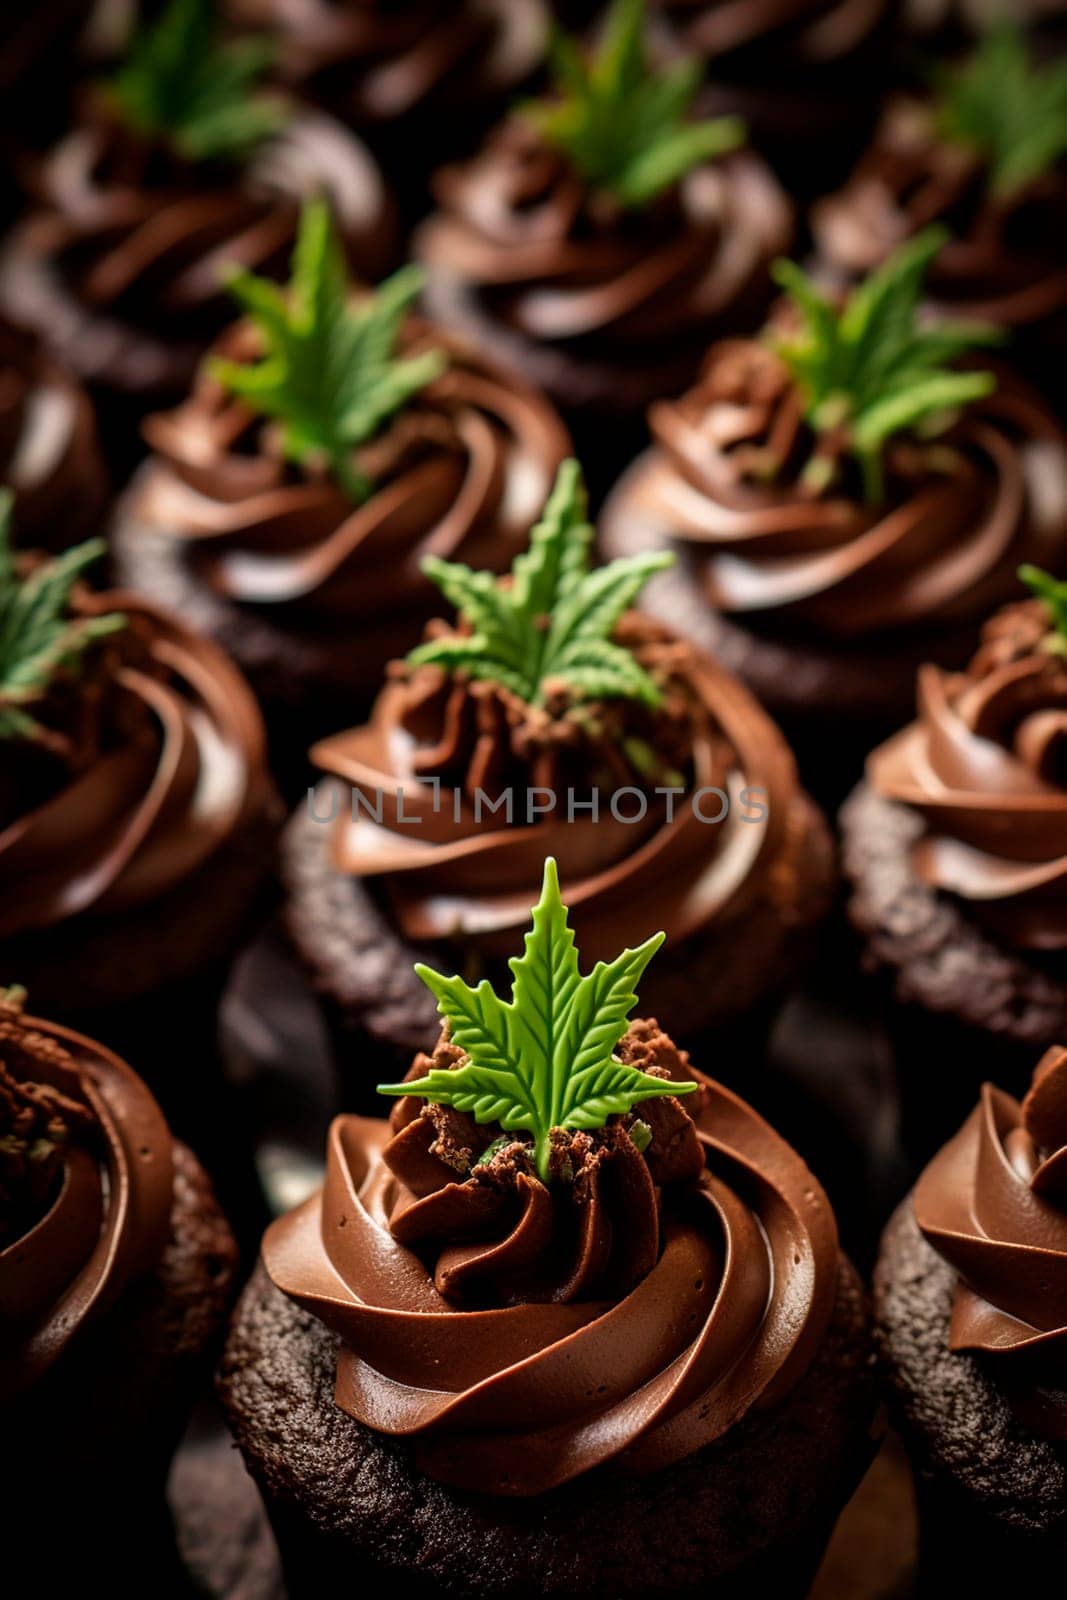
{"x":574,"y":1316}
{"x":599,"y":237}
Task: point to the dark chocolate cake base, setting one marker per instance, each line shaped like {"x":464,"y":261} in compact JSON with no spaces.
{"x":348,"y":1506}
{"x":992,"y":1497}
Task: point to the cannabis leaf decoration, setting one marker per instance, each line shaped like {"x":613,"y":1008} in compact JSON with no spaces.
{"x":622,"y":124}
{"x":329,"y":373}
{"x":1012,"y":112}
{"x":1053,"y":591}
{"x":552,"y":619}
{"x":544,"y":1059}
{"x":184,"y":83}
{"x":38,"y":638}
{"x":872,"y":369}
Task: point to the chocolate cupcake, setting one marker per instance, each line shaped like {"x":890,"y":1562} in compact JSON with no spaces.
{"x":117,"y":1270}
{"x":600,"y":236}
{"x":985,"y":155}
{"x":137,"y":817}
{"x":956,"y":845}
{"x":971,"y":1302}
{"x":422,"y":78}
{"x":287,"y":518}
{"x":846,"y":503}
{"x":575,"y":1320}
{"x":668,"y":796}
{"x":178,"y":169}
{"x":806,"y":75}
{"x":49,"y":456}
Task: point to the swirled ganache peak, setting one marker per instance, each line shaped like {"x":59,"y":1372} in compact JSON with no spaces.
{"x":181,"y":165}
{"x":85,"y":1188}
{"x":131,"y":749}
{"x":567,"y":1247}
{"x":983,"y":764}
{"x":602,"y":232}
{"x":502,"y":710}
{"x":984,"y":153}
{"x":333,"y":436}
{"x":852,"y":472}
{"x":993,"y":1203}
{"x":377,"y":60}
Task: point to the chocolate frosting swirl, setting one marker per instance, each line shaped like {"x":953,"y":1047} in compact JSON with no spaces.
{"x":519,"y":1336}
{"x":149,"y":764}
{"x":376,"y":61}
{"x":433,"y":742}
{"x":724,"y":480}
{"x":993,"y":1203}
{"x":532,"y":252}
{"x":121,"y":268}
{"x":49,"y":455}
{"x":1004,"y":261}
{"x":105,"y":1216}
{"x":983,"y":764}
{"x":461,"y":473}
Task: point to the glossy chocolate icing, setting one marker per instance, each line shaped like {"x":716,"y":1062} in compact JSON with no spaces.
{"x":520,"y":244}
{"x":103,"y":1218}
{"x":460,"y":869}
{"x":121,"y":267}
{"x":461,"y":473}
{"x":993,"y":1203}
{"x":632,"y":1311}
{"x":724,"y":481}
{"x":983,"y":764}
{"x":150,"y":763}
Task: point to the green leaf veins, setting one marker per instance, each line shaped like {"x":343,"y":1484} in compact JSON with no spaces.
{"x":545,"y":1059}
{"x":553,"y":619}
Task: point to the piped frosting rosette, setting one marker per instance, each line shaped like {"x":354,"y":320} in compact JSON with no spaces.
{"x":106,"y":1210}
{"x":669,"y":1279}
{"x":156,"y":763}
{"x":993,"y":1203}
{"x":960,"y":514}
{"x":983,"y":764}
{"x":415,"y":807}
{"x":460,"y":473}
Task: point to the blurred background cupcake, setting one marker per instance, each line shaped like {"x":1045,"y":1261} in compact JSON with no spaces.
{"x":180,"y":165}
{"x":419,"y":79}
{"x":971,"y":1306}
{"x":330,"y":443}
{"x":117,"y":1273}
{"x":603,"y":233}
{"x":848,"y":495}
{"x":983,"y":153}
{"x":956,"y":848}
{"x":137,"y":816}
